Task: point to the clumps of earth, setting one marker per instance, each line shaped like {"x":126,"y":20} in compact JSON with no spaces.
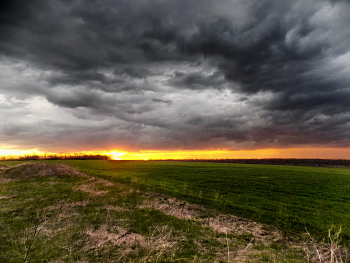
{"x":34,"y":170}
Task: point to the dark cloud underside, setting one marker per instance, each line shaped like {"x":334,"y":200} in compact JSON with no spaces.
{"x":174,"y":74}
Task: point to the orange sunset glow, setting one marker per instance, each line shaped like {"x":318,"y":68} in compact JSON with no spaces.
{"x":321,"y":153}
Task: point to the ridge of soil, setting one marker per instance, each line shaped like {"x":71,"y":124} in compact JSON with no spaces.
{"x":31,"y":171}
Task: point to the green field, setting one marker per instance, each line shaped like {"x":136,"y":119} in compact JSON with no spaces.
{"x":75,"y":218}
{"x":294,"y":199}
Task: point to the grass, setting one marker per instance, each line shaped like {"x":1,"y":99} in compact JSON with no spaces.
{"x":294,"y":199}
{"x":102,"y":217}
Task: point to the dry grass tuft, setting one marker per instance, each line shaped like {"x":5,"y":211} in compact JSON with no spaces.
{"x":237,"y":225}
{"x":101,"y":181}
{"x":173,"y":207}
{"x":64,"y":206}
{"x":330,"y":252}
{"x":31,"y":171}
{"x":161,"y":242}
{"x":125,"y":239}
{"x":218,"y":222}
{"x":116,"y":208}
{"x":91,"y":188}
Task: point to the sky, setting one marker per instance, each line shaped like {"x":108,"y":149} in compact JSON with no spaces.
{"x":252,"y":77}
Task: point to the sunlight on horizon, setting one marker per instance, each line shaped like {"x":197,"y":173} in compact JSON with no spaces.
{"x":9,"y":151}
{"x":317,"y":153}
{"x":118,"y":154}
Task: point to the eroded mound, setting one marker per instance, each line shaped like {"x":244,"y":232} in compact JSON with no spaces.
{"x":31,"y":170}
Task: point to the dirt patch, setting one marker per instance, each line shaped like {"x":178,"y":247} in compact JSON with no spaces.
{"x":5,"y":180}
{"x":173,"y":207}
{"x":31,"y":170}
{"x":236,"y":225}
{"x":160,"y":241}
{"x":101,"y":181}
{"x":91,"y":188}
{"x":7,"y":197}
{"x":3,"y":167}
{"x":116,"y":208}
{"x":126,"y":239}
{"x":220,"y":223}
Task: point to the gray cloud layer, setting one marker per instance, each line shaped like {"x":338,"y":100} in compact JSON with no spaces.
{"x":174,"y":74}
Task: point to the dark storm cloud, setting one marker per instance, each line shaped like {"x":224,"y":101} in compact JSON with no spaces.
{"x":162,"y":101}
{"x":197,"y":80}
{"x":180,"y":74}
{"x":134,"y":72}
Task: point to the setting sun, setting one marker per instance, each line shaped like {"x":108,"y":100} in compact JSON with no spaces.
{"x":116,"y":155}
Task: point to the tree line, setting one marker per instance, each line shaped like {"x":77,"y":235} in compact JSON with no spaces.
{"x":60,"y":156}
{"x":280,"y":161}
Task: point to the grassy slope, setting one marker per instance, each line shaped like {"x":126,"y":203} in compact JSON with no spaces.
{"x":291,"y":198}
{"x":48,"y":219}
